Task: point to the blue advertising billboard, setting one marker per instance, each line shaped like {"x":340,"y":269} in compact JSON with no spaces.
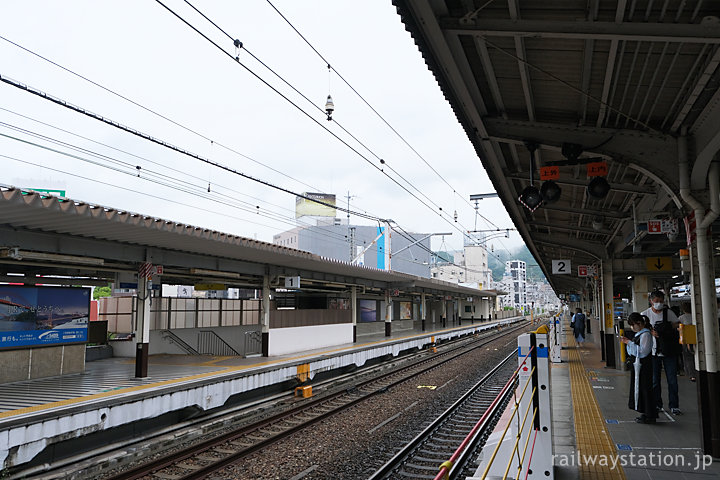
{"x":36,"y":316}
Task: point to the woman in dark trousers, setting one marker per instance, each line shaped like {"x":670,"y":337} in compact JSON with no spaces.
{"x":641,"y":394}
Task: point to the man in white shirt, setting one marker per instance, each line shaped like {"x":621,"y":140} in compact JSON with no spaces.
{"x":660,"y":360}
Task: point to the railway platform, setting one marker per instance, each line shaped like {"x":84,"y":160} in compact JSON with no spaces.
{"x":38,"y":416}
{"x":595,"y":435}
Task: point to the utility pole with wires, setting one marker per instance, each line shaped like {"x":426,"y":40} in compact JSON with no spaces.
{"x":351,"y":231}
{"x":480,"y":196}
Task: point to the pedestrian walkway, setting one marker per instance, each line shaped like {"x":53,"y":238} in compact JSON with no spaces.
{"x":609,"y":443}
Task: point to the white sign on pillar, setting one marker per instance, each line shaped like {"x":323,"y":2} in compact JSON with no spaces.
{"x":561,"y":267}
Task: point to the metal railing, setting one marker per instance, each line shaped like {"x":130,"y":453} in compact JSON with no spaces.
{"x":515,"y":455}
{"x":179,"y":342}
{"x":515,"y":415}
{"x":253,"y":343}
{"x":210,"y":343}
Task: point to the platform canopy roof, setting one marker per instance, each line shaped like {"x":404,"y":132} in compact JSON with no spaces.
{"x":48,"y":235}
{"x":580,"y":82}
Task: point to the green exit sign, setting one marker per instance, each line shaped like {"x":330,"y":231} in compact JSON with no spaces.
{"x":59,"y":193}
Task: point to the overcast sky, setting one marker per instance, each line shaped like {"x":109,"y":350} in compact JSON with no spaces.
{"x":140,"y":50}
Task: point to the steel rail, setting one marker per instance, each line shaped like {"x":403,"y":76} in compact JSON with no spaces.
{"x":200,"y":472}
{"x":392,"y":465}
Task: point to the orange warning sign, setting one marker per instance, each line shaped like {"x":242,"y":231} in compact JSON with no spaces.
{"x":597,"y":169}
{"x":549,"y":173}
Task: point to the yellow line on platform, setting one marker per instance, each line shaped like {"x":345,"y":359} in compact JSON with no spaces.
{"x":591,"y":436}
{"x":225,"y":370}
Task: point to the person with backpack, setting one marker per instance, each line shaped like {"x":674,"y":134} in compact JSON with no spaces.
{"x":578,"y":326}
{"x":666,"y":350}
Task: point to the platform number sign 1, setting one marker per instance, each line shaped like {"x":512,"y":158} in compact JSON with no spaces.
{"x":292,"y":282}
{"x":561,"y":267}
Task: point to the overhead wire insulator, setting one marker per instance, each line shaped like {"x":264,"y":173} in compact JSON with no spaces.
{"x":329,"y":108}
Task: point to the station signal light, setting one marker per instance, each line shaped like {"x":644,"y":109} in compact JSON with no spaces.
{"x":550,"y":191}
{"x":530,"y":198}
{"x":598,"y":188}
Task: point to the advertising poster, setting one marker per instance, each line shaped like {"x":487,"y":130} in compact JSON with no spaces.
{"x":405,"y":310}
{"x":306,"y":207}
{"x":32,"y":316}
{"x":339,"y":304}
{"x":368,"y":310}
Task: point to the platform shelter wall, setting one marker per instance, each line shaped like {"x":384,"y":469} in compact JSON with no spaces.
{"x":29,"y":363}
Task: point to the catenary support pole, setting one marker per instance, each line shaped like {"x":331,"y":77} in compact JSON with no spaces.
{"x":353,"y":311}
{"x":265,"y":316}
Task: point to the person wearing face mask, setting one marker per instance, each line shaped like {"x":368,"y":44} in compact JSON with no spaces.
{"x":640,"y":348}
{"x":665,"y":324}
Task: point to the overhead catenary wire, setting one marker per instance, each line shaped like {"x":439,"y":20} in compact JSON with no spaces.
{"x":139,"y":157}
{"x":170,"y":146}
{"x":238,"y":44}
{"x":212,"y":141}
{"x":241,"y":45}
{"x":153,"y":112}
{"x":161,"y":179}
{"x":361,"y":97}
{"x":160,"y":115}
{"x":181,"y":186}
{"x":167,"y":145}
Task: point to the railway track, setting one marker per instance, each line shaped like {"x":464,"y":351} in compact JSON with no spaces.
{"x":208,"y":457}
{"x":421,"y":457}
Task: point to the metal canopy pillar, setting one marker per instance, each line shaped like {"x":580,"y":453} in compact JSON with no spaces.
{"x":353,"y":311}
{"x":609,"y":324}
{"x":708,"y":381}
{"x":265,"y":320}
{"x":459,"y":312}
{"x":443,"y":312}
{"x":388,"y":313}
{"x":640,"y":293}
{"x":704,"y":296}
{"x":142,"y":329}
{"x":423,"y":310}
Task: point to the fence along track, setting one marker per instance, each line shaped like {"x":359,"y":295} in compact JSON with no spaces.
{"x":212,"y":455}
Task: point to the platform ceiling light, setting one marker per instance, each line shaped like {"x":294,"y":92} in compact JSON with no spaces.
{"x":598,"y":188}
{"x":550,"y":191}
{"x":530,"y":197}
{"x":597,"y":223}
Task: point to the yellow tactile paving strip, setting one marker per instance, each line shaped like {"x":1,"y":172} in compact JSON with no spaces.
{"x":149,"y":386}
{"x":590,"y":434}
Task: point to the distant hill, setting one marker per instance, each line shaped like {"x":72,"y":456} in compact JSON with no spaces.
{"x":497,"y":259}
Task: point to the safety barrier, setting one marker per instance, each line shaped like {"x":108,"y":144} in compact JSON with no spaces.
{"x":556,"y":339}
{"x":526,"y":452}
{"x":447,"y":467}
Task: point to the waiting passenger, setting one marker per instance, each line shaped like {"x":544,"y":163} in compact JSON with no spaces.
{"x":667,"y":348}
{"x":578,"y":326}
{"x":641,"y":346}
{"x":688,"y":350}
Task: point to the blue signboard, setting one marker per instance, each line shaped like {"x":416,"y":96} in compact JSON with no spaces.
{"x":381,"y":248}
{"x":33,"y":316}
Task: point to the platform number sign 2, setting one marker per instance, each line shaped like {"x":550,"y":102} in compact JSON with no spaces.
{"x":561,"y":267}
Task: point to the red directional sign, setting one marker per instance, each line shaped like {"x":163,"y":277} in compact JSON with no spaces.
{"x":582,"y":271}
{"x":654,"y":226}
